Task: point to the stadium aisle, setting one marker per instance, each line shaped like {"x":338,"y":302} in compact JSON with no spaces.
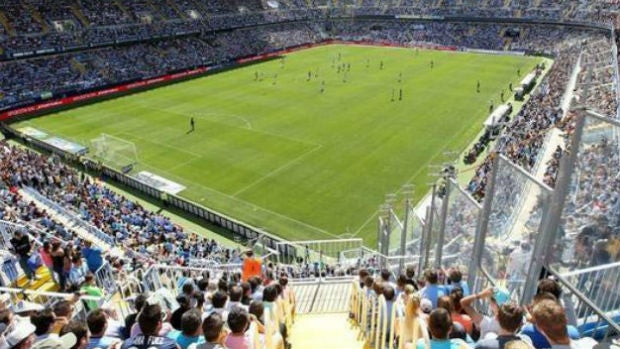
{"x":325,"y":331}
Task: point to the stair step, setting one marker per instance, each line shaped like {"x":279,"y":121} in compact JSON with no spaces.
{"x":44,"y":277}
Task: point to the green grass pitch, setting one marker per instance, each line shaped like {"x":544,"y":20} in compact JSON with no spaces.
{"x":279,"y":154}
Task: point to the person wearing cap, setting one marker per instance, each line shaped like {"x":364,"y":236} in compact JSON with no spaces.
{"x":20,"y":335}
{"x":488,"y":325}
{"x":150,"y":322}
{"x":23,"y":246}
{"x":73,"y":335}
{"x":550,"y":318}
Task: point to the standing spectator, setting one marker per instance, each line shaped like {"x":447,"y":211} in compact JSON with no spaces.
{"x":89,"y":288}
{"x":22,"y":246}
{"x":77,"y":273}
{"x":93,"y":256}
{"x":58,"y":256}
{"x":251,"y":266}
{"x":46,"y":257}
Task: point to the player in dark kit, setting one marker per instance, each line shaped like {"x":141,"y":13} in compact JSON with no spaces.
{"x":478,"y":86}
{"x":192,"y":124}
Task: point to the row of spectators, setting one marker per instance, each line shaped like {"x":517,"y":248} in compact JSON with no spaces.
{"x":33,"y":79}
{"x":28,"y":80}
{"x":444,"y":314}
{"x":153,"y":235}
{"x":209,"y":311}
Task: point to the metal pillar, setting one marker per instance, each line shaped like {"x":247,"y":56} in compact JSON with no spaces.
{"x":544,"y":244}
{"x":403,"y":237}
{"x":427,"y":241}
{"x":442,"y":226}
{"x":483,"y":223}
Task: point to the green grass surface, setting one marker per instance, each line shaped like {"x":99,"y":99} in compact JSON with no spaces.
{"x":302,"y":164}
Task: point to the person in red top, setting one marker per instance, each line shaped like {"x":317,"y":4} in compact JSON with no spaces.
{"x":251,"y":266}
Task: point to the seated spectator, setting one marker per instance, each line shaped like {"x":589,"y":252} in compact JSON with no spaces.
{"x":184,"y":305}
{"x":455,"y":279}
{"x":488,"y":325}
{"x":510,"y":318}
{"x":214,"y":332}
{"x":130,"y":320}
{"x":440,"y":325}
{"x":218,"y":304}
{"x":97,"y":322}
{"x":458,"y":329}
{"x":46,"y":324}
{"x":150,"y":321}
{"x":432,"y":291}
{"x":20,"y":335}
{"x":551,"y":320}
{"x":191,"y":330}
{"x":533,"y":332}
{"x":235,"y":293}
{"x":413,"y":325}
{"x":239,"y":323}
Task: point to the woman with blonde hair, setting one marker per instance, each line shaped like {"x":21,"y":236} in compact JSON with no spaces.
{"x":412,"y":326}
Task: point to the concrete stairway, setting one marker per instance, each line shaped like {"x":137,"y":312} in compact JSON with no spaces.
{"x":325,"y":331}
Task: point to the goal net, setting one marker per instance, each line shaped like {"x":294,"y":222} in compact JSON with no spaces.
{"x":114,"y":152}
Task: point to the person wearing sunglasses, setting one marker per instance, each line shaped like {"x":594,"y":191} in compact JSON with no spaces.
{"x":150,"y":321}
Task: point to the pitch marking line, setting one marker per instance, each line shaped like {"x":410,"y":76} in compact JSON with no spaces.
{"x":249,"y":204}
{"x":279,"y":169}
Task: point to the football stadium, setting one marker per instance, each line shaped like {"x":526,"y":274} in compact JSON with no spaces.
{"x":270,"y":174}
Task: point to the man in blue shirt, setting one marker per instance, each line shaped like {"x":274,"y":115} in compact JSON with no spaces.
{"x":191,"y":330}
{"x":432,"y":291}
{"x":93,"y":255}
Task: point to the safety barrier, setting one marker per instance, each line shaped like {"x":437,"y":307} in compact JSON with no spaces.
{"x":97,"y":233}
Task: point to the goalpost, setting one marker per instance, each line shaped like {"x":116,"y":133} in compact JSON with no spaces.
{"x":114,"y":152}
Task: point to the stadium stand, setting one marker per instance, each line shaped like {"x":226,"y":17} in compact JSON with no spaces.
{"x":84,"y":251}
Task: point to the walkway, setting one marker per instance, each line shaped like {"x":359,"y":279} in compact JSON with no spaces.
{"x":325,"y":331}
